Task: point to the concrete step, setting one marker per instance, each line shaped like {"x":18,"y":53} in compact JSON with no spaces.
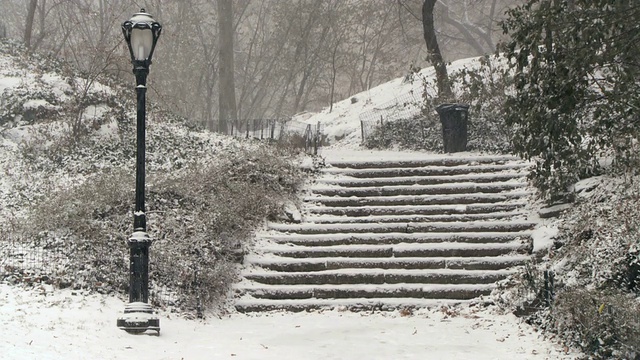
{"x":432,"y":161}
{"x":378,"y":276}
{"x":453,"y":199}
{"x":439,"y":189}
{"x":250,"y":304}
{"x":385,"y":234}
{"x":416,"y":227}
{"x":402,"y":250}
{"x":331,"y":219}
{"x":334,"y":263}
{"x":358,"y":211}
{"x":423,"y":171}
{"x":420,"y":291}
{"x":509,"y":176}
{"x":396,"y":238}
{"x":274,"y":263}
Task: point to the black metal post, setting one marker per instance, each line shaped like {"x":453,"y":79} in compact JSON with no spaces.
{"x":141,"y":33}
{"x":138,"y":316}
{"x":141,"y":71}
{"x":140,"y":242}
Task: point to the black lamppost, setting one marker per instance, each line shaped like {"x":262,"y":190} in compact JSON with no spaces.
{"x":141,"y":33}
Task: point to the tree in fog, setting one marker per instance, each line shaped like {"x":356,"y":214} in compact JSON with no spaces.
{"x":435,"y":56}
{"x":286,"y":56}
{"x":227,"y":93}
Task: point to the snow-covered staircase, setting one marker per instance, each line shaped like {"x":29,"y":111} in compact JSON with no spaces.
{"x":385,"y":234}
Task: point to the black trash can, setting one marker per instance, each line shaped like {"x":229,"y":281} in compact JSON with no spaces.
{"x":454,"y":119}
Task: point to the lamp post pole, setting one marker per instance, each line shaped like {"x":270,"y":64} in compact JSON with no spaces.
{"x":140,"y":242}
{"x":141,"y":33}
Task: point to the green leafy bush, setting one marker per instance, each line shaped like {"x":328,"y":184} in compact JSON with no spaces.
{"x":576,"y":92}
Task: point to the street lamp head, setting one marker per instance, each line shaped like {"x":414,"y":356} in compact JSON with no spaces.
{"x":141,"y":33}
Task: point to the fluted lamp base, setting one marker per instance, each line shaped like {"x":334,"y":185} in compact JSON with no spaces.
{"x":138,"y":318}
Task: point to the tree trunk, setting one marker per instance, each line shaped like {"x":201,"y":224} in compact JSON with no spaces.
{"x":435,"y":56}
{"x":28,"y":29}
{"x":227,"y":97}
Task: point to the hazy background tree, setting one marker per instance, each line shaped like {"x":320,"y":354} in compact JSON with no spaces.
{"x":289,"y":56}
{"x":28,"y":27}
{"x":227,"y":93}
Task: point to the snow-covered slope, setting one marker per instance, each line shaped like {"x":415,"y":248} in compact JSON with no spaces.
{"x":47,"y":323}
{"x":341,"y":123}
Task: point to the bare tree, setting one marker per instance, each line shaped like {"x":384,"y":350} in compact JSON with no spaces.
{"x":286,"y":56}
{"x":435,"y":56}
{"x":227,"y":93}
{"x":28,"y":28}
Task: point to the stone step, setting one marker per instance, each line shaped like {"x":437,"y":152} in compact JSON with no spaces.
{"x":356,"y":211}
{"x":433,"y":161}
{"x":396,"y":238}
{"x":378,"y":276}
{"x":439,"y":189}
{"x":331,"y":219}
{"x":250,"y":304}
{"x":402,"y":250}
{"x":426,"y":227}
{"x":334,"y":263}
{"x":423,"y":171}
{"x":423,"y":180}
{"x":388,"y":234}
{"x":452,"y":199}
{"x":420,"y":291}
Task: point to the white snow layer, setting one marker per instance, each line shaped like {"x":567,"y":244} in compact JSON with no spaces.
{"x":45,"y":324}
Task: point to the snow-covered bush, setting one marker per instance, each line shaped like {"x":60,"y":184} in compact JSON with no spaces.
{"x":600,"y":240}
{"x":415,"y":133}
{"x":605,"y":324}
{"x":201,"y":217}
{"x":484,"y":89}
{"x":595,"y":260}
{"x":67,"y":189}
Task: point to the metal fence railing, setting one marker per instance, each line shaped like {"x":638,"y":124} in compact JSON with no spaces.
{"x":33,"y":263}
{"x":28,"y":259}
{"x":404,"y":106}
{"x":283,"y":130}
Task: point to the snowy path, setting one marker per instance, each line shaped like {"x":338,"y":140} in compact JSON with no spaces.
{"x":58,"y":325}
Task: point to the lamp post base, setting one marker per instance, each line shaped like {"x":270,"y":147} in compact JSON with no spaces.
{"x":138,"y":318}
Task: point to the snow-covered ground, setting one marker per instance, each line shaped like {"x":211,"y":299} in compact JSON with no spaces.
{"x":341,"y":123}
{"x":43,"y":323}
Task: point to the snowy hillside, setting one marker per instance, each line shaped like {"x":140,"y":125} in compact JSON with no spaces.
{"x":341,"y":124}
{"x":67,"y":159}
{"x":68,"y":142}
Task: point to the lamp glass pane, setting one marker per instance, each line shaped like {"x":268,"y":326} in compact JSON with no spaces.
{"x":141,"y":42}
